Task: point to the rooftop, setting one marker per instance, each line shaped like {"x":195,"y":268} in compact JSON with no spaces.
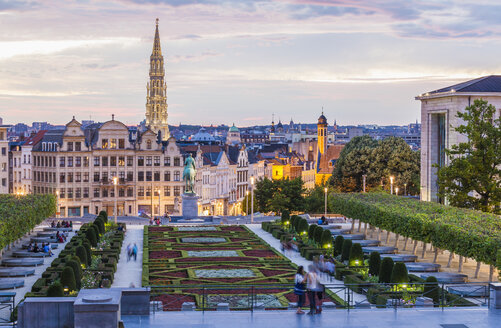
{"x":485,"y":84}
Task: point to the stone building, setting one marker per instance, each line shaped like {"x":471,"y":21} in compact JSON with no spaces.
{"x":438,"y":118}
{"x":4,"y":159}
{"x":233,"y":136}
{"x":80,"y":164}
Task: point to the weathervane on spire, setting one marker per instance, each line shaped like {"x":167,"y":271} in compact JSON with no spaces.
{"x":157,"y":21}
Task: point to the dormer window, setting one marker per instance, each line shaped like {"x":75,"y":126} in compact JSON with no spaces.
{"x":44,"y":146}
{"x":104,"y":144}
{"x":78,"y":146}
{"x":113,"y":144}
{"x":70,"y":146}
{"x":148,"y":144}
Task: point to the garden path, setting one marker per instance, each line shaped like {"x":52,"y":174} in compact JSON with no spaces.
{"x":129,"y":273}
{"x":299,"y":260}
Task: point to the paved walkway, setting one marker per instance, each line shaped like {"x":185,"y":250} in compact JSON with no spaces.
{"x":361,"y":318}
{"x":299,"y":260}
{"x":129,"y":273}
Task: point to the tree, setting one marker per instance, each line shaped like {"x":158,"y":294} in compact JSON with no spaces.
{"x":374,"y":263}
{"x":386,"y":270}
{"x":345,"y":253}
{"x":399,"y":273}
{"x":248,"y":200}
{"x":68,"y":278}
{"x":279,"y":195}
{"x":356,"y":255}
{"x":338,"y":245}
{"x":472,"y":177}
{"x":285,"y":218}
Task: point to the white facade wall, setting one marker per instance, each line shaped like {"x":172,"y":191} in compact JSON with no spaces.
{"x":4,"y":161}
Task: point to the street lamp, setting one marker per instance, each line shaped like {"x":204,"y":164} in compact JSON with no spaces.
{"x":391,"y":184}
{"x":158,"y":192}
{"x":57,"y":202}
{"x":325,"y":205}
{"x":252,"y":199}
{"x":364,"y":177}
{"x":247,"y":205}
{"x":405,"y":189}
{"x":396,"y":191}
{"x":115,"y":182}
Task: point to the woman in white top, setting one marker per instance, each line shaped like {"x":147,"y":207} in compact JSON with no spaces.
{"x":299,"y":288}
{"x":314,"y":289}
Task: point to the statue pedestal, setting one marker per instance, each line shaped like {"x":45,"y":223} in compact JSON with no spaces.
{"x":190,"y":205}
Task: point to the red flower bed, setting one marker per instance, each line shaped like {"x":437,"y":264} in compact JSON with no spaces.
{"x":154,"y":229}
{"x":215,"y":259}
{"x":164,"y":254}
{"x":173,"y":301}
{"x":271,"y":273}
{"x":177,"y":274}
{"x":260,"y":253}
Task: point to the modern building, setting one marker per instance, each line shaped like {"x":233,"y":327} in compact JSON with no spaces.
{"x":89,"y":168}
{"x":439,"y":110}
{"x":156,"y":97}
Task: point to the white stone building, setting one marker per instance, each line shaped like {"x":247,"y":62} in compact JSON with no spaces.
{"x":4,"y":159}
{"x":438,"y":118}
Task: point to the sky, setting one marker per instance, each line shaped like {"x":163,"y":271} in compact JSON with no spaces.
{"x":239,"y":61}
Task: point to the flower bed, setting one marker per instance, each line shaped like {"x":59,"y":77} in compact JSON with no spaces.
{"x":222,"y":255}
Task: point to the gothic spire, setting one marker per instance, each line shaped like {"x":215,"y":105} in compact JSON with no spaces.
{"x":157,"y":49}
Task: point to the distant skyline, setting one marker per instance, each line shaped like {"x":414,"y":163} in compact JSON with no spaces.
{"x":240,"y":61}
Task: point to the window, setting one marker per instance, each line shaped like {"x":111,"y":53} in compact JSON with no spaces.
{"x":156,"y":176}
{"x":121,"y":176}
{"x":130,"y":161}
{"x":70,"y":193}
{"x":86,"y":192}
{"x":166,"y":191}
{"x":78,"y":146}
{"x":4,"y":151}
{"x":96,"y":176}
{"x":148,"y":191}
{"x":167,"y":176}
{"x":96,"y":193}
{"x":62,"y":161}
{"x":70,"y":146}
{"x":105,"y":177}
{"x":140,"y":176}
{"x":70,"y":161}
{"x":62,"y":177}
{"x":105,"y":192}
{"x":96,"y":161}
{"x":113,"y":161}
{"x":156,"y":160}
{"x":148,"y":160}
{"x":148,"y":144}
{"x":86,"y":177}
{"x":24,"y":159}
{"x":78,"y":177}
{"x":166,"y":161}
{"x":140,"y":161}
{"x":104,"y":161}
{"x":140,"y":191}
{"x":104,"y":143}
{"x":121,"y":192}
{"x":177,"y":190}
{"x":113,"y":144}
{"x":70,"y":177}
{"x":148,"y":175}
{"x":176,"y":176}
{"x":78,"y":193}
{"x":177,"y":161}
{"x":121,"y":161}
{"x":121,"y":143}
{"x":130,"y":176}
{"x":78,"y":161}
{"x":86,"y":161}
{"x":130,"y":192}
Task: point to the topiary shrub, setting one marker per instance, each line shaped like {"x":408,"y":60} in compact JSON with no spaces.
{"x":338,"y":245}
{"x":386,"y":270}
{"x":431,"y":290}
{"x":55,"y":290}
{"x":104,"y":215}
{"x":296,"y":223}
{"x":82,"y":254}
{"x":96,"y":228}
{"x":91,"y":236}
{"x":374,"y":263}
{"x":285,"y":217}
{"x":99,"y":222}
{"x":399,"y":274}
{"x":311,"y":231}
{"x":77,"y":272}
{"x":327,"y":239}
{"x":318,"y":234}
{"x":68,"y":278}
{"x":86,"y":244}
{"x":345,"y":253}
{"x":356,"y":255}
{"x":303,"y":226}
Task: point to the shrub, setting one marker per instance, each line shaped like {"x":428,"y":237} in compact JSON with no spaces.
{"x":91,"y":236}
{"x":285,"y":217}
{"x":399,"y":274}
{"x":327,"y":238}
{"x":82,"y":254}
{"x":296,"y":223}
{"x":55,"y":290}
{"x":374,"y":263}
{"x":99,"y":224}
{"x":318,"y":234}
{"x":96,"y":229}
{"x":345,"y":253}
{"x":386,"y":270}
{"x":77,"y":272}
{"x":88,"y":251}
{"x":303,"y":226}
{"x":338,"y":245}
{"x":311,"y":231}
{"x":356,"y":254}
{"x":104,"y":215}
{"x":431,"y":289}
{"x":68,"y":278}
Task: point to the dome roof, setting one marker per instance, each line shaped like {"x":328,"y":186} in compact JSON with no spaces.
{"x":322,"y":119}
{"x":234,"y":128}
{"x":279,"y":125}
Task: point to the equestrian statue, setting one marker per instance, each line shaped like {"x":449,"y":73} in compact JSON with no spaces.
{"x":189,"y":174}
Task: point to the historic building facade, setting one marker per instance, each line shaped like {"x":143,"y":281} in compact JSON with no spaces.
{"x":4,"y":160}
{"x":439,"y":110}
{"x":156,"y":98}
{"x":81,"y":165}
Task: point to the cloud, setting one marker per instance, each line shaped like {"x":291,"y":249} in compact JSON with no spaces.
{"x":193,"y":58}
{"x":14,"y":5}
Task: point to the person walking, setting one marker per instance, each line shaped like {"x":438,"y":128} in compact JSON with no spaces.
{"x":134,"y":251}
{"x":312,"y":286}
{"x":129,"y":252}
{"x":300,"y":288}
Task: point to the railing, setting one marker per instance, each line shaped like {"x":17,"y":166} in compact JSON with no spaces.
{"x":280,"y":296}
{"x":7,"y":305}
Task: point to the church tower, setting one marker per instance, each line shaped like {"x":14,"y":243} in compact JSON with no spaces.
{"x":156,"y":97}
{"x":322,"y":134}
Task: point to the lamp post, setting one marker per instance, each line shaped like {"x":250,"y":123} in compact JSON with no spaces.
{"x":57,"y":204}
{"x":325,"y":203}
{"x":247,"y":205}
{"x":159,"y":211}
{"x":364,"y":177}
{"x":391,"y":184}
{"x":252,"y":199}
{"x":396,"y":191}
{"x":115,"y":182}
{"x":405,"y":189}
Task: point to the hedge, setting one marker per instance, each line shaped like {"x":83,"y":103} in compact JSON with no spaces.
{"x":469,"y":233}
{"x":374,"y":263}
{"x":19,"y":215}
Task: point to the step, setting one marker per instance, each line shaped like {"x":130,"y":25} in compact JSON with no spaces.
{"x":355,"y":236}
{"x":29,"y":254}
{"x":8,"y":283}
{"x":42,"y":240}
{"x":22,"y":262}
{"x":401,"y":257}
{"x":16,"y":272}
{"x":422,"y":267}
{"x":58,"y":229}
{"x":446,"y":277}
{"x":367,"y":242}
{"x":340,"y":231}
{"x":380,"y":249}
{"x":52,"y":246}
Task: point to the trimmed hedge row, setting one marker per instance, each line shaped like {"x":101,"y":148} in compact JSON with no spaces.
{"x":19,"y":215}
{"x":465,"y":232}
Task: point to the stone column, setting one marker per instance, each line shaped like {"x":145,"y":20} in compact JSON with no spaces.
{"x":97,"y":308}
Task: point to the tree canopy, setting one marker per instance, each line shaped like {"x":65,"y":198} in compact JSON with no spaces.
{"x":279,"y":195}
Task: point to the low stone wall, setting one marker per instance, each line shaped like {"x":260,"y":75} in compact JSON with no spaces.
{"x":135,"y":301}
{"x":46,"y":312}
